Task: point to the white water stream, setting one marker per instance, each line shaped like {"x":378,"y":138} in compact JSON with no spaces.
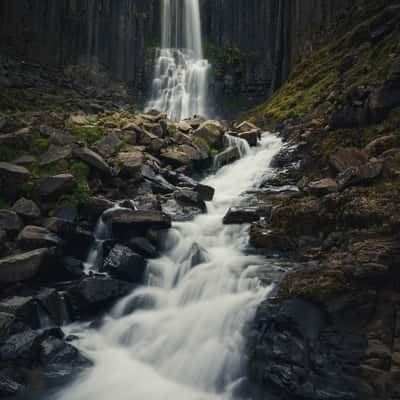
{"x":181,"y":72}
{"x":181,"y":337}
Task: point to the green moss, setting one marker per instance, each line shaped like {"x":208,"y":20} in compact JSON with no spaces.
{"x":87,"y":135}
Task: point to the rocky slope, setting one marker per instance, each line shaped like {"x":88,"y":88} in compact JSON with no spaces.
{"x":88,"y":187}
{"x":331,"y":330}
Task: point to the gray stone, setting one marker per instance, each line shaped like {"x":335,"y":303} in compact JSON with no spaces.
{"x":346,"y":158}
{"x":21,"y":267}
{"x":123,"y":263}
{"x":130,"y":163}
{"x":52,"y":187}
{"x":10,"y":221}
{"x":13,"y":173}
{"x":108,"y":146}
{"x":91,"y":158}
{"x":55,"y":154}
{"x":153,"y":219}
{"x":212,"y":132}
{"x":35,"y":237}
{"x":26,"y":208}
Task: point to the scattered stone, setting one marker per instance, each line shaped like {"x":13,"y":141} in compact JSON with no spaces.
{"x":123,"y":263}
{"x":182,"y":155}
{"x":21,"y":267}
{"x":55,"y":154}
{"x":26,"y":208}
{"x":92,"y":159}
{"x":184,"y":127}
{"x":109,"y":146}
{"x":52,"y":187}
{"x":363,"y":174}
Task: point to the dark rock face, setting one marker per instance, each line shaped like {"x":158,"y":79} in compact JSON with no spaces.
{"x":121,"y":35}
{"x":298,"y":353}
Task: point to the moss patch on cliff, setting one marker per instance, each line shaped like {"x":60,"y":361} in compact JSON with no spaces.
{"x":362,"y":56}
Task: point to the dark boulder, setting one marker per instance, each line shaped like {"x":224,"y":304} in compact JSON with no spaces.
{"x":26,"y":208}
{"x":244,"y":215}
{"x":123,"y":263}
{"x":21,"y":267}
{"x":35,"y":237}
{"x":52,"y":187}
{"x":108,"y":146}
{"x":94,"y":293}
{"x":143,"y":247}
{"x":10,"y":222}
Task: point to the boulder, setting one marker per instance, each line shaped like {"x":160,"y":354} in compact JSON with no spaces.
{"x":35,"y":237}
{"x":55,"y":154}
{"x":212,"y":132}
{"x":245,"y":215}
{"x":56,"y":136}
{"x":25,"y":308}
{"x":226,"y":157}
{"x":246,"y":126}
{"x":25,"y":159}
{"x":92,"y":159}
{"x":383,"y":99}
{"x":143,"y":246}
{"x":55,"y":352}
{"x":95,"y":206}
{"x":251,"y":136}
{"x":12,"y":173}
{"x":130,"y":163}
{"x":184,"y":127}
{"x":362,"y":174}
{"x":10,"y":221}
{"x":92,"y":293}
{"x":151,"y":141}
{"x":123,"y":263}
{"x":21,"y":140}
{"x":181,"y":155}
{"x":10,"y":324}
{"x":26,"y":208}
{"x":346,"y":158}
{"x":382,"y":144}
{"x":109,"y":146}
{"x":21,"y":267}
{"x":52,"y":187}
{"x":189,"y":197}
{"x":140,"y":219}
{"x":322,"y":187}
{"x":24,"y":346}
{"x":12,"y":179}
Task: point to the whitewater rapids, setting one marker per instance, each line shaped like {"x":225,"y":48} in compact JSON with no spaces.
{"x":182,"y":336}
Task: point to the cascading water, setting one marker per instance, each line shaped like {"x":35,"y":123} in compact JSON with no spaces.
{"x":181,"y":337}
{"x":180,"y":77}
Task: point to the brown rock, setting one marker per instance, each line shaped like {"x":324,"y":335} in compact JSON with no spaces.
{"x":130,"y":163}
{"x":382,"y":144}
{"x":346,"y":158}
{"x":91,"y":158}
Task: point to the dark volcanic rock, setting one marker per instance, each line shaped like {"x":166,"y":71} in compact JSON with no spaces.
{"x":125,"y":264}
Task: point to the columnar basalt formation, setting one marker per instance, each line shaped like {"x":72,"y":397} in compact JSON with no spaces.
{"x":253,"y":45}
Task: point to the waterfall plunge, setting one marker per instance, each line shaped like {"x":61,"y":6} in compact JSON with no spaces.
{"x":181,"y":72}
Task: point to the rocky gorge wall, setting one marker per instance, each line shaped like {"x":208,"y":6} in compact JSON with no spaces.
{"x":252,"y":44}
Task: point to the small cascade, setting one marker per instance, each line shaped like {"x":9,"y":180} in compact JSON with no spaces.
{"x":232,"y":143}
{"x":181,"y":73}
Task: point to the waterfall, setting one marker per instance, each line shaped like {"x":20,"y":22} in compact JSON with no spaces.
{"x":181,"y":73}
{"x":182,"y":336}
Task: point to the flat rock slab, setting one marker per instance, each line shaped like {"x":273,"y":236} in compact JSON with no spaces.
{"x":92,"y":159}
{"x":55,"y":154}
{"x":149,"y":219}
